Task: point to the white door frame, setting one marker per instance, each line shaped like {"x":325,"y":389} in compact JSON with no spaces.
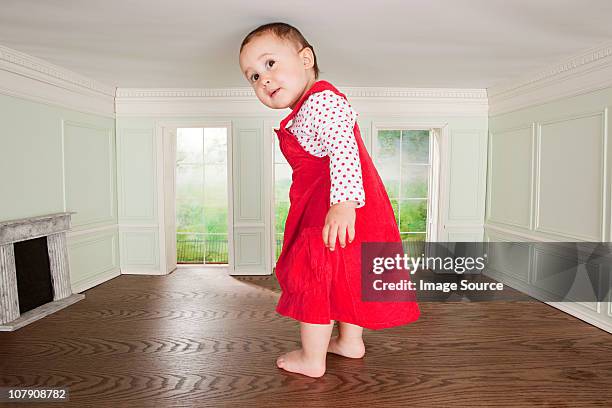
{"x":166,"y":185}
{"x":270,"y":189}
{"x":438,"y":132}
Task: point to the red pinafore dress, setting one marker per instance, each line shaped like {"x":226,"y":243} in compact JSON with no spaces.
{"x":319,"y":285}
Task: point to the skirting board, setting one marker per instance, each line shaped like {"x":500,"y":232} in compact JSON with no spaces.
{"x":571,"y":310}
{"x":565,"y":307}
{"x":142,"y":272}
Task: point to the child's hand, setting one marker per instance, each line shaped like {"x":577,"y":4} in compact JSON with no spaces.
{"x":339,"y":219}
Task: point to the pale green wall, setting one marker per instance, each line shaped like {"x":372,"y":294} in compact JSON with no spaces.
{"x":53,"y":160}
{"x":137,"y":188}
{"x":549,"y":179}
{"x":139,"y":215}
{"x":570,"y":133}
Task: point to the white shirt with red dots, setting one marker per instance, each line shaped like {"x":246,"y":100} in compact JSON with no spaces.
{"x":324,"y":126}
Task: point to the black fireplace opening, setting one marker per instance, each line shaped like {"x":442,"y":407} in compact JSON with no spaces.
{"x":34,"y":285}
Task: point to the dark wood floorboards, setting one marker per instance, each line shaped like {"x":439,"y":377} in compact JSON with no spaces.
{"x":200,"y":338}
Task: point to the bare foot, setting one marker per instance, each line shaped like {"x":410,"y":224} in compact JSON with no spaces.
{"x":296,"y":362}
{"x":353,"y":348}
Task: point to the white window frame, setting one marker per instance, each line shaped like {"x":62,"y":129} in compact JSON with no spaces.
{"x":166,"y":131}
{"x":437,"y":132}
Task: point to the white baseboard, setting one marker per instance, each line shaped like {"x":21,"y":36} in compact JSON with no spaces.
{"x":572,"y":309}
{"x":141,"y":272}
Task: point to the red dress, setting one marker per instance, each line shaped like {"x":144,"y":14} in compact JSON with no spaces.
{"x":319,"y":285}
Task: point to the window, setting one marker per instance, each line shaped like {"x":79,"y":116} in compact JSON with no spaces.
{"x":403,"y":160}
{"x":201,"y":195}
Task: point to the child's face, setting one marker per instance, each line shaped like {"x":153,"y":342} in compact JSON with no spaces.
{"x":276,"y":69}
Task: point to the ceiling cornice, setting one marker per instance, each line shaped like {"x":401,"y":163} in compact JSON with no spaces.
{"x":26,"y":65}
{"x":247,"y":92}
{"x":374,"y":101}
{"x":588,"y":59}
{"x":585,"y":72}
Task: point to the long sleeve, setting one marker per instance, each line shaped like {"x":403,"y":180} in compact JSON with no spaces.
{"x":333,"y":121}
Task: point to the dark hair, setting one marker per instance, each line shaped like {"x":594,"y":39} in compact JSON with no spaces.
{"x":285,"y":32}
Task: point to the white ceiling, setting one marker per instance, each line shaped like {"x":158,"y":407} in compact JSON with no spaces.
{"x":410,"y":43}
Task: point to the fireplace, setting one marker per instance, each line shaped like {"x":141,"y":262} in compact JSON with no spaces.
{"x":34,"y":269}
{"x":34,"y":287}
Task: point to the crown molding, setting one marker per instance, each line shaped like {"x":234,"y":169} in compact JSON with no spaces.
{"x":34,"y":67}
{"x":588,"y":71}
{"x":168,"y":93}
{"x":28,"y":77}
{"x":418,"y":93}
{"x":223,"y":102}
{"x":247,"y":92}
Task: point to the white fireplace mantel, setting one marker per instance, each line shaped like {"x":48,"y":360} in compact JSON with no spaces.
{"x":54,"y":227}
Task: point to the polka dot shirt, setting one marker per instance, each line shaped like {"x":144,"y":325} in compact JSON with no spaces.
{"x":324,"y":126}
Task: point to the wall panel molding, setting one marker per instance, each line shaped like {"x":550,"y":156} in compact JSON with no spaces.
{"x":139,"y":249}
{"x":569,"y":120}
{"x":82,"y":242}
{"x":110,"y":171}
{"x":133,"y":206}
{"x":528,"y":224}
{"x":521,"y":234}
{"x":524,"y":277}
{"x":250,"y":254}
{"x":477,"y":165}
{"x":513,"y":265}
{"x":94,"y":257}
{"x":83,"y":285}
{"x":249,"y":188}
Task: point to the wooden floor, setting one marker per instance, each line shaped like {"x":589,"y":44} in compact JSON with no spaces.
{"x":200,"y":338}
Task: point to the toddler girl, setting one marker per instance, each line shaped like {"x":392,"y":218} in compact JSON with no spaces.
{"x":336,"y":195}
